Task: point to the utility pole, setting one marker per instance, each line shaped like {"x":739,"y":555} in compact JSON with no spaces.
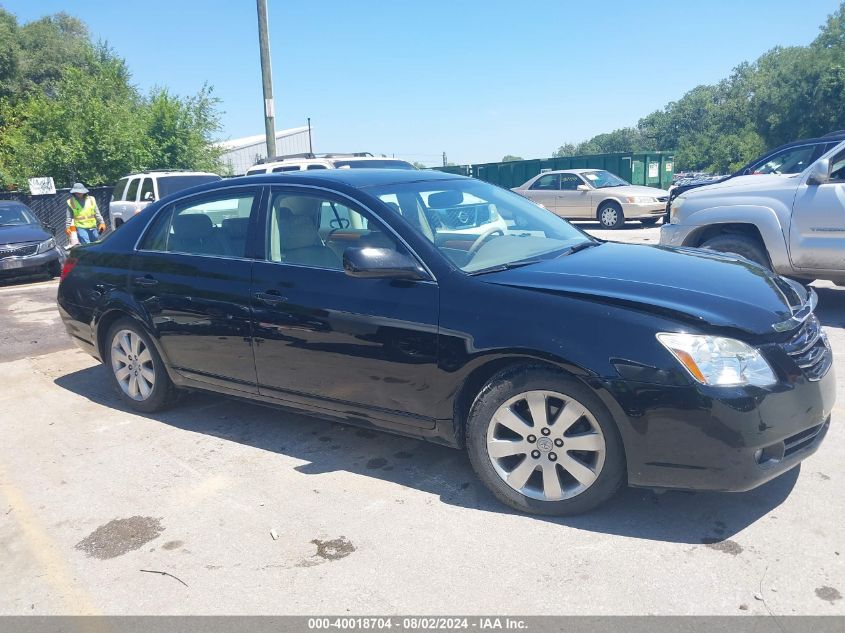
{"x":444,"y":159}
{"x":267,"y":79}
{"x":310,"y":146}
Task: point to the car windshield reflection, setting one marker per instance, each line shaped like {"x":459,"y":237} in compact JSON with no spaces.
{"x":478,"y":226}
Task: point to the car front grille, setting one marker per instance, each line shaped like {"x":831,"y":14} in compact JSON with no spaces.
{"x":18,"y":250}
{"x":809,"y":349}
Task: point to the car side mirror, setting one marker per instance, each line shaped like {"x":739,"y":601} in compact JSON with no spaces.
{"x":381,"y":263}
{"x":149,"y":196}
{"x":582,"y":188}
{"x":819,"y":172}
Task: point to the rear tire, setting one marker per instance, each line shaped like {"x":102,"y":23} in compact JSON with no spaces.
{"x":543,"y":443}
{"x":610,"y":215}
{"x":136,"y":369}
{"x":747,"y":247}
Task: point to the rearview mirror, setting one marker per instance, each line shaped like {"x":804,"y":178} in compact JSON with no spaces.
{"x":582,"y":188}
{"x":381,"y":263}
{"x":819,"y":172}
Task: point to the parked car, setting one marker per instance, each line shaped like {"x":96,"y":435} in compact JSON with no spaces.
{"x":26,"y":245}
{"x":134,"y":192}
{"x":791,"y":223}
{"x":791,"y":158}
{"x":311,"y":162}
{"x":595,"y":194}
{"x":562,"y":363}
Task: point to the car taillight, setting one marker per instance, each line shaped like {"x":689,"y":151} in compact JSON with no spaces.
{"x":70,"y":264}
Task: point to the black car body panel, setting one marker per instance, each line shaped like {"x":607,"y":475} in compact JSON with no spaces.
{"x":409,"y":356}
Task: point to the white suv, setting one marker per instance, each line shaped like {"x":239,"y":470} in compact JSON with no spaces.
{"x":302,"y":162}
{"x":134,"y":192}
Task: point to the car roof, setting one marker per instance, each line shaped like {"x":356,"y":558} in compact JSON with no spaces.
{"x":572,"y":171}
{"x":349,"y":178}
{"x":10,"y":204}
{"x":321,"y":160}
{"x":357,"y":178}
{"x":170,"y":172}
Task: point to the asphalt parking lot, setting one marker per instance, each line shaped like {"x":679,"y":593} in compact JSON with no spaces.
{"x":253,"y":511}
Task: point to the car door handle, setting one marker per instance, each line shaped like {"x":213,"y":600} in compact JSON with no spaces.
{"x":146,"y":280}
{"x":271,"y":297}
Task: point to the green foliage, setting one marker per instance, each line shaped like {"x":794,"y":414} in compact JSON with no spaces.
{"x":509,"y":158}
{"x":68,"y":110}
{"x":787,"y":94}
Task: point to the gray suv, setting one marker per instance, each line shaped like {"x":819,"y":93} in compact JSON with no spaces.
{"x":791,"y":223}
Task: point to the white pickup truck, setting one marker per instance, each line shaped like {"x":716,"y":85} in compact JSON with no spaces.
{"x":791,"y":223}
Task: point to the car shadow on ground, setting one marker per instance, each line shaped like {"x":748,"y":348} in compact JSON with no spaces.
{"x":831,"y":308}
{"x":23,"y":280}
{"x":326,"y":446}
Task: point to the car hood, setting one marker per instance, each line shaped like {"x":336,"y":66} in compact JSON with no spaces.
{"x":759,"y":182}
{"x":696,"y":286}
{"x":634,"y":190}
{"x":23,"y":233}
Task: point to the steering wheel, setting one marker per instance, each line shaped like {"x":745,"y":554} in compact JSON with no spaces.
{"x":483,"y":238}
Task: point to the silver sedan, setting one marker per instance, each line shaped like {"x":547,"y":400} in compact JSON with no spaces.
{"x":595,"y":194}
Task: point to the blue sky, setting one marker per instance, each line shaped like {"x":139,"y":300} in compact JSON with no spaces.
{"x":476,"y":79}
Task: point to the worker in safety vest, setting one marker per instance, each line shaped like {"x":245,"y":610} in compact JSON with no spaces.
{"x":83,"y":216}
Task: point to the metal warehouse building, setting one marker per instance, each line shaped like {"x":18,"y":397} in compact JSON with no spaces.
{"x":242,"y":153}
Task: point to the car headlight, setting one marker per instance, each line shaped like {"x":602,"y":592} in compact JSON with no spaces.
{"x":675,"y":208}
{"x":641,"y":199}
{"x":47,"y":245}
{"x":718,"y":361}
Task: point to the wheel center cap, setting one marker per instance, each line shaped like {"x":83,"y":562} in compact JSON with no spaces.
{"x":545,"y":444}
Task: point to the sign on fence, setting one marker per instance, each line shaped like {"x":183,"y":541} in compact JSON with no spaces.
{"x":42,"y":186}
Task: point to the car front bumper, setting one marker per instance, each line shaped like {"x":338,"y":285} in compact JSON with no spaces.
{"x":634,"y":211}
{"x":29,"y":264}
{"x":675,"y":234}
{"x":704,"y":438}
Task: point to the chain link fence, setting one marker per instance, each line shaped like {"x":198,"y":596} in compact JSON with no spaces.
{"x":52,"y":210}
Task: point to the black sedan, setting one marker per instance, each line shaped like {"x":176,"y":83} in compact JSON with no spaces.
{"x":26,"y":247}
{"x":566,"y":366}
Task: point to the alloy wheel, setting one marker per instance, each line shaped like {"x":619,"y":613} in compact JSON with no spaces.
{"x":132,"y":365}
{"x":546,"y":445}
{"x":608,"y":216}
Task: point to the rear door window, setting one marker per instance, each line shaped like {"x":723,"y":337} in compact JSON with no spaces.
{"x":132,"y":191}
{"x":147,"y":193}
{"x":548,"y":182}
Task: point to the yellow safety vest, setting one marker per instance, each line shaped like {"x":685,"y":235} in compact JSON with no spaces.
{"x":84,"y":217}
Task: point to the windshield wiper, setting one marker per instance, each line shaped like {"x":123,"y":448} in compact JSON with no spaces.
{"x":508,"y":266}
{"x":580,"y":247}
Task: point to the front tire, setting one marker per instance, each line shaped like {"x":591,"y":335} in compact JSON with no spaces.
{"x":136,"y":369}
{"x":748,"y":247}
{"x":543,"y":443}
{"x":649,"y":221}
{"x":610,"y":215}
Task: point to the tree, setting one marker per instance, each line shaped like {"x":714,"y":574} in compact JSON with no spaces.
{"x":509,"y":158}
{"x":787,"y":94}
{"x":68,"y":110}
{"x":419,"y":165}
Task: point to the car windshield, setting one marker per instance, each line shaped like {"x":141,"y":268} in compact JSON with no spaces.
{"x":367,"y":164}
{"x":601,"y":179}
{"x":17,"y":214}
{"x":172,"y":184}
{"x":478,"y":226}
